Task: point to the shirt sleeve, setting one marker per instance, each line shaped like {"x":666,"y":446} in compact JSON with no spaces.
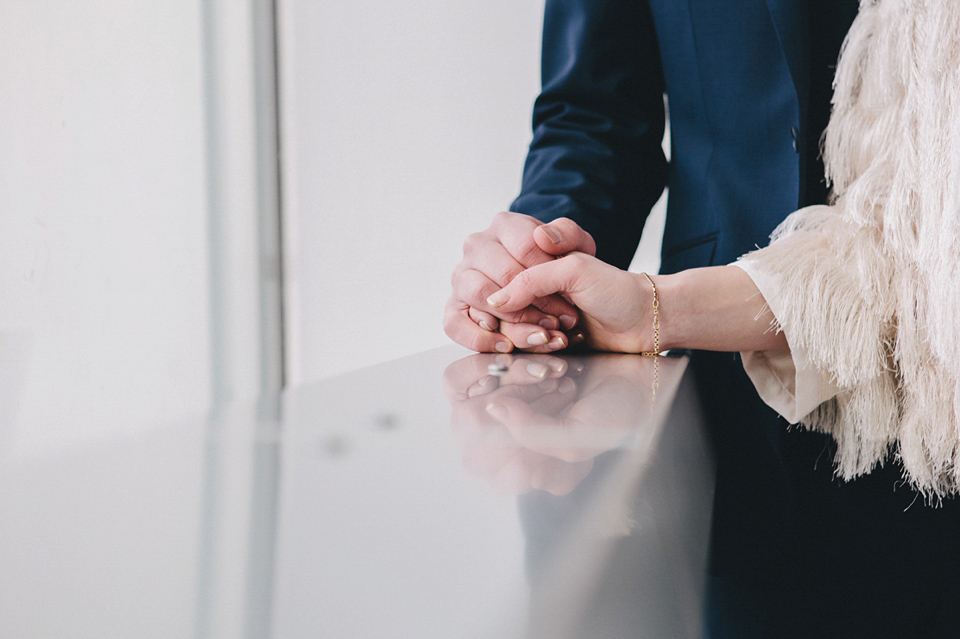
{"x":786,"y":380}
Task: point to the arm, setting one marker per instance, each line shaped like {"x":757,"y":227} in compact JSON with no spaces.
{"x":598,"y":124}
{"x":716,"y":308}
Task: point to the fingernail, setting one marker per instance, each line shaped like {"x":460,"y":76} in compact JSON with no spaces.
{"x":504,"y":360}
{"x":483,"y":324}
{"x":549,"y":322}
{"x":566,"y":385}
{"x":577,"y":337}
{"x":568,"y":322}
{"x":498,"y":411}
{"x":498,"y":299}
{"x":552,"y":233}
{"x":480,"y":387}
{"x":556,"y":343}
{"x":548,"y":385}
{"x":502,"y":347}
{"x":537,"y":339}
{"x":536,"y":369}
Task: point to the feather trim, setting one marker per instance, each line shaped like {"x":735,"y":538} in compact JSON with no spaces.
{"x":871,"y":284}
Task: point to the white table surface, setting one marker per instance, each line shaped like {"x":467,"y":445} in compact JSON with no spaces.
{"x":419,"y":498}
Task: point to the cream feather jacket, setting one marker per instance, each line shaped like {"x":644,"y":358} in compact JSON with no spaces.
{"x":867,"y":290}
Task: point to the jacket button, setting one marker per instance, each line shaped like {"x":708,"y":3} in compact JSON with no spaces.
{"x":795,"y":134}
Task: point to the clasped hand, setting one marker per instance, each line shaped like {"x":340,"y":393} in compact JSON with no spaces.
{"x":538,"y":287}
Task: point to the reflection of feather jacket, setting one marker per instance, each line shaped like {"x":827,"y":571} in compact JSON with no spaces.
{"x":867,"y":290}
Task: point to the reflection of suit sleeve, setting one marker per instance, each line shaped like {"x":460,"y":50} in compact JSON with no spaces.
{"x":598,"y":123}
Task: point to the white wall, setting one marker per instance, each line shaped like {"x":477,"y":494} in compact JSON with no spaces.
{"x":405,"y":126}
{"x":103,"y":247}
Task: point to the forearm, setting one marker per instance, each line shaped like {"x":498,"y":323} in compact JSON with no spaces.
{"x":717,"y":308}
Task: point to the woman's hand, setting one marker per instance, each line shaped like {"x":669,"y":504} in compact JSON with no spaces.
{"x":616,"y":307}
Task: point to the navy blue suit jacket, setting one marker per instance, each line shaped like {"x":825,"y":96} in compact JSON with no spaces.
{"x":735,"y":74}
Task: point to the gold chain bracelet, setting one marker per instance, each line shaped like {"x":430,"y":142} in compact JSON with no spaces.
{"x":656,"y":321}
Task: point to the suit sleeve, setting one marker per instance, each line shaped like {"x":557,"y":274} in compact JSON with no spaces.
{"x":598,"y":123}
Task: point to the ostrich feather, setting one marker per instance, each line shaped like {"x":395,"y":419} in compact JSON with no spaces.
{"x":870,"y":285}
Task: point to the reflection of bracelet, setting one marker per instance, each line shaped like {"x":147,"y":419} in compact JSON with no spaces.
{"x":656,"y":321}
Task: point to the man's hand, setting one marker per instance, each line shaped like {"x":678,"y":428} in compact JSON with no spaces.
{"x":491,"y":259}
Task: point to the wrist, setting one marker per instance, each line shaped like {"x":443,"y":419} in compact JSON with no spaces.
{"x":671,"y":289}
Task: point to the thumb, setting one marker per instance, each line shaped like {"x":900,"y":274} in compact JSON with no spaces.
{"x":563,"y":236}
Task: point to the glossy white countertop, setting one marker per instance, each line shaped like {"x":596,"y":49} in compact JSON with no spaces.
{"x":419,"y":498}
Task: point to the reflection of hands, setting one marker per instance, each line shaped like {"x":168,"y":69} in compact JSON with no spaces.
{"x":540,"y":425}
{"x":491,"y":259}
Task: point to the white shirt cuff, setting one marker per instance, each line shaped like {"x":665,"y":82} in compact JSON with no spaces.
{"x":785,"y":379}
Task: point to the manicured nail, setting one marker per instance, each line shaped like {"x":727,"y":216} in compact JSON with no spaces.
{"x":498,"y":411}
{"x":502,"y":347}
{"x":483,"y":324}
{"x":566,"y":385}
{"x":552,"y":233}
{"x":537,"y":339}
{"x":503,"y":360}
{"x":556,"y":343}
{"x":568,"y":322}
{"x":498,"y":299}
{"x":536,"y":369}
{"x":577,"y":337}
{"x":549,"y":322}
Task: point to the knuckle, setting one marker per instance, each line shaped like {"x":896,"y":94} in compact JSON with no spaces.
{"x":524,"y":279}
{"x":529,"y":315}
{"x":575,"y":261}
{"x":507,"y":274}
{"x":510,"y":219}
{"x":472,"y":243}
{"x":474,"y":292}
{"x":528,"y":253}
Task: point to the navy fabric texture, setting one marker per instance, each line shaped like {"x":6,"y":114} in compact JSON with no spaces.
{"x":734,"y":119}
